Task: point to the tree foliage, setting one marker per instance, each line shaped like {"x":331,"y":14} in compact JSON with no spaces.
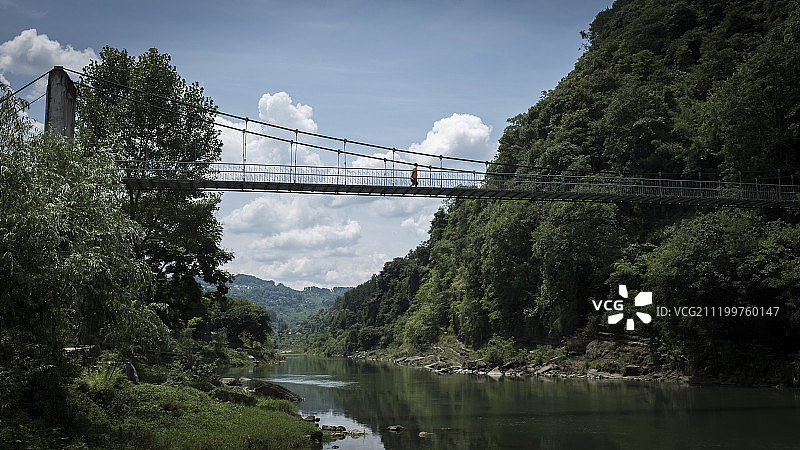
{"x":70,"y":271}
{"x":173,"y":125}
{"x":682,"y":89}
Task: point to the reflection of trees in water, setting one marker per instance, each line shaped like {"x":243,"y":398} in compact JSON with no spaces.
{"x":470,"y":412}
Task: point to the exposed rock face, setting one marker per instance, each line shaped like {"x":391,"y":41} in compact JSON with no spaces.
{"x":267,"y":389}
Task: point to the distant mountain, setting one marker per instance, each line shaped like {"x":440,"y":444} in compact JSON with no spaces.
{"x":288,"y":306}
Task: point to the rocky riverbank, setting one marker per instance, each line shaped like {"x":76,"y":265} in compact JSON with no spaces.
{"x":604,"y":357}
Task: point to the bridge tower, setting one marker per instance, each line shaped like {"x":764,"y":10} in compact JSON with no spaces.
{"x":59,"y":113}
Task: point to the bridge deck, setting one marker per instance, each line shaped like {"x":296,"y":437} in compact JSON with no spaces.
{"x":455,"y":184}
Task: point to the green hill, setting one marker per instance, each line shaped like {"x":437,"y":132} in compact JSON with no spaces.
{"x":683,"y":89}
{"x":287,"y":306}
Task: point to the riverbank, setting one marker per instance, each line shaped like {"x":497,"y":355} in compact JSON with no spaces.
{"x":603,"y":357}
{"x":103,"y":409}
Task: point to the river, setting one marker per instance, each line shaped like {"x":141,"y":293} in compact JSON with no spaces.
{"x":472,"y":412}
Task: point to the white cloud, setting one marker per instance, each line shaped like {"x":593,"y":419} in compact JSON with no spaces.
{"x":462,"y":135}
{"x":315,"y":238}
{"x":32,"y":53}
{"x":278,"y":109}
{"x":419,"y":224}
{"x":269,"y":214}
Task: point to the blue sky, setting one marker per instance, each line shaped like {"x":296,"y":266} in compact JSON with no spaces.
{"x":433,"y":75}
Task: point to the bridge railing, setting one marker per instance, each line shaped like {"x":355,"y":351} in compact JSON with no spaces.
{"x":275,"y":173}
{"x":432,"y":178}
{"x":651,"y":187}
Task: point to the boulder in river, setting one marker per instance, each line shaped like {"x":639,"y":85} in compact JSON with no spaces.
{"x":267,"y":389}
{"x":495,"y":373}
{"x":396,"y":428}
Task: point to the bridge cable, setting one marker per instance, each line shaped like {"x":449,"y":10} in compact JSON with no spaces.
{"x":363,"y":144}
{"x":307,"y":133}
{"x":13,"y":92}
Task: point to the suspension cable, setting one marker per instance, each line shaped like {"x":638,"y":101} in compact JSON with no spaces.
{"x":13,"y":92}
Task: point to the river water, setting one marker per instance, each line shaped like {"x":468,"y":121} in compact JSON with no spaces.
{"x":472,"y":412}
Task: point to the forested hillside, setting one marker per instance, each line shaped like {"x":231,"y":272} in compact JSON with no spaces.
{"x":287,"y":306}
{"x":681,"y":89}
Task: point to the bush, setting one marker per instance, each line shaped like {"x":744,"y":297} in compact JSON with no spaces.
{"x":498,"y":351}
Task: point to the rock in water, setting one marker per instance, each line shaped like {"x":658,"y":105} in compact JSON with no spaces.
{"x":267,"y":389}
{"x":396,"y":428}
{"x":495,"y":373}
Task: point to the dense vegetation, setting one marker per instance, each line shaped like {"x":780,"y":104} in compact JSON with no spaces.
{"x":97,"y":279}
{"x":682,"y":89}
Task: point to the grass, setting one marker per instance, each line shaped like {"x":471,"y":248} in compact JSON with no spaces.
{"x":109,"y":412}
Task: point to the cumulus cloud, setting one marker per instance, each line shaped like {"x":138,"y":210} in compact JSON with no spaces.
{"x":278,"y":109}
{"x":32,"y":53}
{"x":318,"y":237}
{"x":419,"y":225}
{"x":462,"y":135}
{"x":269,"y":214}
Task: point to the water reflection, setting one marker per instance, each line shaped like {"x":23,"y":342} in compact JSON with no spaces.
{"x":465,"y":412}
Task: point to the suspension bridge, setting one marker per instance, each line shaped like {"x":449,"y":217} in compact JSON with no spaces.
{"x":394,"y":177}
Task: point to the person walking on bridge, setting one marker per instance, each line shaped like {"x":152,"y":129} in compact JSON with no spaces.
{"x":414,"y":175}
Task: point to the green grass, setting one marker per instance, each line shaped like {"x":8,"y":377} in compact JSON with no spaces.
{"x":112,"y":413}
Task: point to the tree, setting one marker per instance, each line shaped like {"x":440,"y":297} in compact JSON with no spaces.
{"x":243,"y":320}
{"x":67,"y":260}
{"x":174,"y":125}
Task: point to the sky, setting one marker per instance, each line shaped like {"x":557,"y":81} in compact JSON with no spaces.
{"x":439,"y":77}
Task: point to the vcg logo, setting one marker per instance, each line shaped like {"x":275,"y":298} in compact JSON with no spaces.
{"x":641,"y":299}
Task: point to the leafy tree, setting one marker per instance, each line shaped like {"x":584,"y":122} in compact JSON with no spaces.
{"x":68,"y":263}
{"x":722,"y":259}
{"x":242,"y":319}
{"x":174,"y":125}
